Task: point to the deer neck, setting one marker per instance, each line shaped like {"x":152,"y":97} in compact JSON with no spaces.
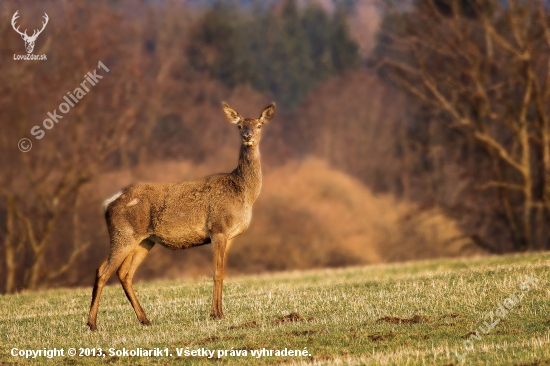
{"x":249,"y":172}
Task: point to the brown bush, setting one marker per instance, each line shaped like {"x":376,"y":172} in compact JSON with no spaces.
{"x":308,"y":215}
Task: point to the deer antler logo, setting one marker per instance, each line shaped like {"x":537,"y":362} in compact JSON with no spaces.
{"x":29,"y":41}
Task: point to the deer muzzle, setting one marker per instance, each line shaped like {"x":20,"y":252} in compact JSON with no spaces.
{"x":247,"y":139}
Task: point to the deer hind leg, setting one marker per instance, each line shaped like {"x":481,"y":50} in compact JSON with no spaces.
{"x":104,"y":272}
{"x":126,"y":274}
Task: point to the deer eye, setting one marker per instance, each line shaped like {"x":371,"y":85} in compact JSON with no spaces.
{"x":240,"y":127}
{"x":259,"y":126}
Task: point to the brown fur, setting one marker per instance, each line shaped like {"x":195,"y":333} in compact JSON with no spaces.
{"x":213,"y":209}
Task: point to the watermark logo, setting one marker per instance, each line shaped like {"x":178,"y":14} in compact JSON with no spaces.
{"x":29,"y":40}
{"x":25,"y":145}
{"x":70,"y":100}
{"x":492,"y":318}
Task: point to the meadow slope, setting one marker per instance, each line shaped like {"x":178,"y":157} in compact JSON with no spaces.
{"x":414,"y":313}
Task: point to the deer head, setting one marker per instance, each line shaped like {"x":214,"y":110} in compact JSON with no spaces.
{"x":250,"y":127}
{"x":29,"y":41}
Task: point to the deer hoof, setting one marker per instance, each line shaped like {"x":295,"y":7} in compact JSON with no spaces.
{"x":146,"y":322}
{"x":93,"y":327}
{"x":217,"y":316}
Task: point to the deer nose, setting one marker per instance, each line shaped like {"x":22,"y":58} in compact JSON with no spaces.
{"x":247,"y":136}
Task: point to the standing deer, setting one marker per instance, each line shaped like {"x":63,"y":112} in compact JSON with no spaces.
{"x":214,"y":209}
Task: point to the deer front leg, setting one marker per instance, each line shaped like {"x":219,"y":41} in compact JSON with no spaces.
{"x":219,"y":244}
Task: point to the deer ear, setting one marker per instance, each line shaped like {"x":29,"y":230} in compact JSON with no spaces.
{"x":232,"y":115}
{"x":268,"y":113}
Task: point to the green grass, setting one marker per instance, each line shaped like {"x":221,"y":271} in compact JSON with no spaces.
{"x":349,"y":316}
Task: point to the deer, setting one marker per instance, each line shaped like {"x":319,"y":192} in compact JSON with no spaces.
{"x":29,"y":41}
{"x":210,"y":210}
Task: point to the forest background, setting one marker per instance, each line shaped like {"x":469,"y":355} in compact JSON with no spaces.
{"x":407,"y":130}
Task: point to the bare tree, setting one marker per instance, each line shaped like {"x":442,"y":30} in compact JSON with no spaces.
{"x":41,"y":189}
{"x":484,"y":68}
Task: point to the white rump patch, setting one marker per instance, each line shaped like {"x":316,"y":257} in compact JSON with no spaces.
{"x":110,"y":200}
{"x":133,"y":202}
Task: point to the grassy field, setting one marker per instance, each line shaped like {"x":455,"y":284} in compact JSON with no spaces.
{"x":430,"y":312}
